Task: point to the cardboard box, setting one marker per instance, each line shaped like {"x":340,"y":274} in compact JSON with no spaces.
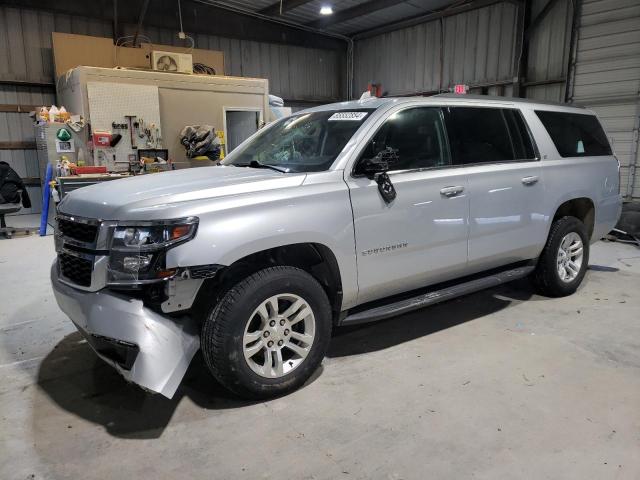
{"x":71,"y":50}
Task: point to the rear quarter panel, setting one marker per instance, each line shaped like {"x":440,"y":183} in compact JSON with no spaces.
{"x":565,"y":179}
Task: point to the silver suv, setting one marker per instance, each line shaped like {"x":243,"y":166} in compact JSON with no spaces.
{"x":337,"y":215}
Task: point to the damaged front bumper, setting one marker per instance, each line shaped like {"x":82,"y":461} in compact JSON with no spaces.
{"x":147,"y":348}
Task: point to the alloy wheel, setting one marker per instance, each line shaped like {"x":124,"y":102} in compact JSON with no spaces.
{"x":570,"y":255}
{"x":279,"y":335}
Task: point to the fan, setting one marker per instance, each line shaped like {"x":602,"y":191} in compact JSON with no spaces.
{"x":166,"y":63}
{"x":171,"y":62}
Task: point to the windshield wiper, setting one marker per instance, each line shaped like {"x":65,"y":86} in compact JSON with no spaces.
{"x":257,"y":164}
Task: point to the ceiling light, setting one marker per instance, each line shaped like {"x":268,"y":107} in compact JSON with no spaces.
{"x":326,"y":10}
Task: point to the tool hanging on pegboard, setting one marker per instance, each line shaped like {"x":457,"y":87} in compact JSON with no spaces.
{"x":131,"y":119}
{"x":151,"y":132}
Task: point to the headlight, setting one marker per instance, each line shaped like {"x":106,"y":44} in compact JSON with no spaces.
{"x":138,"y":250}
{"x":155,"y":235}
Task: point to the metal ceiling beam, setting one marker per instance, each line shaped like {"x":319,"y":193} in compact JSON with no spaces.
{"x":274,"y":20}
{"x":274,"y":9}
{"x":446,"y":12}
{"x":353,"y":12}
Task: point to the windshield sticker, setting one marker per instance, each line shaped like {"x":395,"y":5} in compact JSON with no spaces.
{"x":348,"y":116}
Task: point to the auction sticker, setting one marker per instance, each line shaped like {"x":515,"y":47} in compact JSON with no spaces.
{"x":348,"y":116}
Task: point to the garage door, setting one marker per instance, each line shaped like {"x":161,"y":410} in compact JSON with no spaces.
{"x":607,"y":77}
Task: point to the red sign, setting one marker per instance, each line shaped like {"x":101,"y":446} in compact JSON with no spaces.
{"x":375,"y":89}
{"x":460,"y":89}
{"x":102,"y":139}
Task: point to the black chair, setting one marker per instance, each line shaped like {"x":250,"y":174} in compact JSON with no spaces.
{"x":6,"y":209}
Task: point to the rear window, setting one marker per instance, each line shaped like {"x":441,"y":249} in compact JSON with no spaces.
{"x":575,"y":134}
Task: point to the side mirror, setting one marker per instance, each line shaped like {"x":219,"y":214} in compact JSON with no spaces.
{"x":381,"y":163}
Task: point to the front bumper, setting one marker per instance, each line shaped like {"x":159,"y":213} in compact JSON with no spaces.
{"x":147,"y":348}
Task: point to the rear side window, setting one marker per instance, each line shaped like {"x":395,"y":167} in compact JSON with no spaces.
{"x":575,"y":134}
{"x":487,"y":135}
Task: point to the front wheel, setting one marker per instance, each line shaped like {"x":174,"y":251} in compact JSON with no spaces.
{"x":563,"y":262}
{"x":269,"y":333}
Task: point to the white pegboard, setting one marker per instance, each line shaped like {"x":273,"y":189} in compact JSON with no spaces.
{"x":109,"y":103}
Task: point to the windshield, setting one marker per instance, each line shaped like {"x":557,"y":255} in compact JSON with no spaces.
{"x":309,"y":142}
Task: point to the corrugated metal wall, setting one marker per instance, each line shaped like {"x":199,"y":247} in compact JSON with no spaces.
{"x":479,"y":49}
{"x":294,"y":73}
{"x":25,"y":54}
{"x":548,"y":57}
{"x":17,"y":127}
{"x":607,"y":77}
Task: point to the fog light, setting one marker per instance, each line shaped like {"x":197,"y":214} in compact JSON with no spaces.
{"x":137,"y":263}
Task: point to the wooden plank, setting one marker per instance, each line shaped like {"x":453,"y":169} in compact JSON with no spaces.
{"x":18,"y":108}
{"x":71,"y":50}
{"x":17,"y":145}
{"x":31,"y":181}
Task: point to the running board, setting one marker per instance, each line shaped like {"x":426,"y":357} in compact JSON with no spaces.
{"x":430,"y":298}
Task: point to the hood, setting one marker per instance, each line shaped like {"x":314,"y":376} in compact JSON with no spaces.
{"x":118,"y":199}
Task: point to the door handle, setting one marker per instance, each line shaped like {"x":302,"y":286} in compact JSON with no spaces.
{"x":530,"y":180}
{"x":452,"y":191}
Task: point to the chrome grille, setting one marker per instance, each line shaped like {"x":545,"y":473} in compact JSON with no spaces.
{"x":82,"y":232}
{"x":77,"y":270}
{"x":82,"y":244}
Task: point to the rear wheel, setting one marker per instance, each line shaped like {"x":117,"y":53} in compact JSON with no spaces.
{"x":563,"y":262}
{"x":269,"y":333}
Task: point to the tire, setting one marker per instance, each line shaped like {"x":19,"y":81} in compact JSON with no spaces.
{"x":247,"y":311}
{"x":631,"y":207}
{"x":629,"y":222}
{"x":547,"y":275}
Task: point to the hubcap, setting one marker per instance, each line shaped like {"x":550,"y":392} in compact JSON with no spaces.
{"x":570,"y":256}
{"x":278,"y":335}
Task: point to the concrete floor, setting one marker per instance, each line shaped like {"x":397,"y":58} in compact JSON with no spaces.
{"x":500,"y":384}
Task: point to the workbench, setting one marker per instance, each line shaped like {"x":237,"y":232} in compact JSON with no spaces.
{"x":73,"y":182}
